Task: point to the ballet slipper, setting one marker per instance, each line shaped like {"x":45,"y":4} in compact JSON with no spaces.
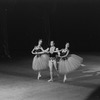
{"x":50,"y":80}
{"x":64,"y":80}
{"x":83,"y":65}
{"x":39,"y":76}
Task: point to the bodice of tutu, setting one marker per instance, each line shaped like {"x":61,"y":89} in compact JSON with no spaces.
{"x":62,"y":54}
{"x":37,"y":50}
{"x":52,"y":52}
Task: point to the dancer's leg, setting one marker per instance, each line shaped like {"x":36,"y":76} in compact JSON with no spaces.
{"x":50,"y":68}
{"x":65,"y":78}
{"x":55,"y":65}
{"x":39,"y":75}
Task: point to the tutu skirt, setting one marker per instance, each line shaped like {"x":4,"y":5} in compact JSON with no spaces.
{"x":41,"y":62}
{"x":70,"y":64}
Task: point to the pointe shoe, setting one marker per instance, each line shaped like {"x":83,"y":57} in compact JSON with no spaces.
{"x":64,"y":80}
{"x":97,"y":73}
{"x":39,"y":76}
{"x":50,"y":80}
{"x":83,"y":65}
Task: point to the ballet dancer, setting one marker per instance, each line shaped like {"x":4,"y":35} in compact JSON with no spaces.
{"x":52,"y":61}
{"x":68,"y":62}
{"x":40,"y":60}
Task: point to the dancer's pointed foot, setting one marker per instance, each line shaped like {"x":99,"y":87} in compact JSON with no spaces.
{"x":83,"y":65}
{"x":39,"y":76}
{"x":97,"y":73}
{"x":50,"y":80}
{"x":64,"y":80}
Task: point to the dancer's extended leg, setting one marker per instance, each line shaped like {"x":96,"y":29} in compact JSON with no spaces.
{"x":55,"y":65}
{"x":50,"y":68}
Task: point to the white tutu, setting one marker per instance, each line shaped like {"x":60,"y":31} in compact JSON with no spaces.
{"x":70,"y":64}
{"x":40,"y":63}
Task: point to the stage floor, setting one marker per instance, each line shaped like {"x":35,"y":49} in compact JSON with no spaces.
{"x":18,"y":81}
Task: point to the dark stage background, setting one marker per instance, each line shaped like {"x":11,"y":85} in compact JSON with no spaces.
{"x":73,"y":21}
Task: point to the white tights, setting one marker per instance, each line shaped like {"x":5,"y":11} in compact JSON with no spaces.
{"x":51,"y":63}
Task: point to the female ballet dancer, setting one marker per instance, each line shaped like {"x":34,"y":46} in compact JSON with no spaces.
{"x":68,"y":63}
{"x":40,"y":60}
{"x":53,"y":51}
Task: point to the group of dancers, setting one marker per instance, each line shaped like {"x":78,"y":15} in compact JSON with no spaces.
{"x":61,"y":60}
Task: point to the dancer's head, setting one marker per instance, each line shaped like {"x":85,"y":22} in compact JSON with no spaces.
{"x":52,"y":43}
{"x":40,"y":42}
{"x":67,"y":45}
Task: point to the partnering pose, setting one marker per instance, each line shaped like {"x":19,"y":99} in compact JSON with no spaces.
{"x":68,"y":63}
{"x":40,"y":60}
{"x":52,"y":61}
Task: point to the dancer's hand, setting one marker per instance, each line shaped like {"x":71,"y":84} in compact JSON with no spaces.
{"x":57,"y":49}
{"x":46,"y":50}
{"x":34,"y":53}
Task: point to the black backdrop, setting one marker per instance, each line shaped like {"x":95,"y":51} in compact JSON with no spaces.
{"x":76,"y":22}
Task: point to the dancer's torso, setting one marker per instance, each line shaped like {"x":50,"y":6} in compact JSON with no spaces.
{"x":52,"y":52}
{"x":63,"y":55}
{"x":37,"y":50}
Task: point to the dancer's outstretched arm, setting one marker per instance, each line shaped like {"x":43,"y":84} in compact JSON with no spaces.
{"x":33,"y":50}
{"x":42,"y":49}
{"x":57,"y":50}
{"x":47,"y":50}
